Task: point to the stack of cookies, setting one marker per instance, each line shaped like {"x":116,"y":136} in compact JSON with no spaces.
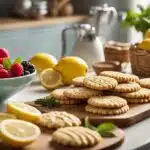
{"x":122,"y":88}
{"x":130,"y":87}
{"x":75,"y":95}
{"x":107,"y":105}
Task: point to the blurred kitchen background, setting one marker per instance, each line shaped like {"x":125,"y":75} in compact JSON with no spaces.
{"x":25,"y":34}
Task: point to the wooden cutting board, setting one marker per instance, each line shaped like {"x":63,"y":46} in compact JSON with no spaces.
{"x":44,"y":143}
{"x":136,"y":113}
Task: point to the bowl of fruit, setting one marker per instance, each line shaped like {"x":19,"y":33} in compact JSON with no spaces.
{"x":14,"y":75}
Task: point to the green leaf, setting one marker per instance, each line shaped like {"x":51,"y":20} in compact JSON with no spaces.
{"x":7,"y":63}
{"x":88,"y":125}
{"x":107,"y":134}
{"x":105,"y":127}
{"x":18,"y":60}
{"x":140,"y":7}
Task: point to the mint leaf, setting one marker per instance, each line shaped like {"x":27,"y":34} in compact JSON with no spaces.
{"x":107,"y":134}
{"x":105,"y":127}
{"x":18,"y":60}
{"x":7,"y":63}
{"x":88,"y":125}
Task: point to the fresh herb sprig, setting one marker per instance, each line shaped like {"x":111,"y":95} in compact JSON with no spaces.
{"x":48,"y":101}
{"x":104,"y":129}
{"x":138,"y":19}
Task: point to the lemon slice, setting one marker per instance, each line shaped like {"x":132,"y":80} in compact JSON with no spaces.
{"x":4,"y":116}
{"x":50,"y":79}
{"x":18,"y":133}
{"x":23,"y":111}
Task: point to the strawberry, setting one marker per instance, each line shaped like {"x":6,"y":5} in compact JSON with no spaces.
{"x":17,"y":69}
{"x":10,"y":74}
{"x":4,"y":73}
{"x":1,"y":59}
{"x":3,"y":53}
{"x":1,"y":66}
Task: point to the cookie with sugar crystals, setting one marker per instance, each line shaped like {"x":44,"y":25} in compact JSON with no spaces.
{"x":71,"y":102}
{"x":145,"y":83}
{"x":142,"y":93}
{"x":107,"y":101}
{"x":100,"y":82}
{"x":80,"y":93}
{"x":76,"y":137}
{"x":138,"y":100}
{"x":106,"y":111}
{"x":127,"y":87}
{"x":120,"y":77}
{"x":78,"y":81}
{"x":58,"y":119}
{"x":59,"y":94}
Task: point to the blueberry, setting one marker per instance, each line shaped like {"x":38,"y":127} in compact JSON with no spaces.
{"x":31,"y":70}
{"x":30,"y":66}
{"x":25,"y":65}
{"x":26,"y":72}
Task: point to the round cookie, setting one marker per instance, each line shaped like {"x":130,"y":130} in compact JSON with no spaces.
{"x":120,"y":77}
{"x":76,"y":137}
{"x":107,"y":101}
{"x":58,"y":119}
{"x":80,"y":93}
{"x":100,"y":82}
{"x":127,"y":87}
{"x":106,"y":112}
{"x":145,"y":83}
{"x":142,"y":93}
{"x":78,"y":81}
{"x":138,"y":101}
{"x":59,"y":94}
{"x":71,"y":102}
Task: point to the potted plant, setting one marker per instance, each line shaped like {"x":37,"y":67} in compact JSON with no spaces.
{"x":140,"y":20}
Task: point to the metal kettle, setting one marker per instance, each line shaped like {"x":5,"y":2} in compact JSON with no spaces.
{"x":102,"y":17}
{"x":87,"y":46}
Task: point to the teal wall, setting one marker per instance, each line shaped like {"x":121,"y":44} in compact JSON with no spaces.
{"x":27,"y":42}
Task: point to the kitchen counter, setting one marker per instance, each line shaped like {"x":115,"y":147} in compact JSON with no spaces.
{"x":14,"y":23}
{"x":136,"y":136}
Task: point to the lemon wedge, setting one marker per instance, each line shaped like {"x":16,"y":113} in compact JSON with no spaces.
{"x":23,"y":111}
{"x":4,"y":116}
{"x":50,"y":79}
{"x":18,"y":133}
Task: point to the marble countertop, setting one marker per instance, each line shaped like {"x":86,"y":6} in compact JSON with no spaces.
{"x":136,"y":136}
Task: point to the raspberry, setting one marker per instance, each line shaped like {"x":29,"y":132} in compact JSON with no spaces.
{"x":3,"y":53}
{"x":17,"y":69}
{"x":1,"y":66}
{"x":4,"y":73}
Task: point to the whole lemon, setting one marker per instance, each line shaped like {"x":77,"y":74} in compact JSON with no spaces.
{"x":42,"y":61}
{"x":145,"y":44}
{"x":71,"y":67}
{"x":147,"y":34}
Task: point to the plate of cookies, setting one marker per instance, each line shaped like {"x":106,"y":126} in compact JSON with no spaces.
{"x":111,"y":96}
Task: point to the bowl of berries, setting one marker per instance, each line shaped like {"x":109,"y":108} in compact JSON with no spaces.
{"x":14,"y":75}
